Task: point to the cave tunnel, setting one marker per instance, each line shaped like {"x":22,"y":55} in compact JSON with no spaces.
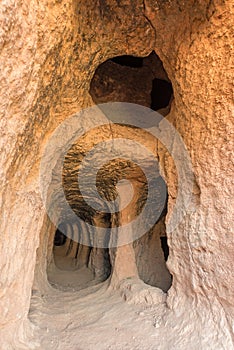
{"x":61,"y":287}
{"x":140,"y":80}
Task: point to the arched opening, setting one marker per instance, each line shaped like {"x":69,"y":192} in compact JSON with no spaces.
{"x":140,"y":80}
{"x":144,"y":81}
{"x":75,"y":265}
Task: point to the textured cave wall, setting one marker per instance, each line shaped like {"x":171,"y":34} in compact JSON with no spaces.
{"x":49,"y":52}
{"x":48,"y":55}
{"x":203,"y":114}
{"x":197,"y":57}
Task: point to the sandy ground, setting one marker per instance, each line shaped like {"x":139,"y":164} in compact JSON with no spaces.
{"x":76,"y":317}
{"x":92,"y":319}
{"x":72,"y":316}
{"x":70,"y":278}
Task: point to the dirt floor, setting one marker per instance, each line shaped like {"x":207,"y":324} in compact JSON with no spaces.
{"x":76,"y":317}
{"x":77,"y":314}
{"x":94,"y":318}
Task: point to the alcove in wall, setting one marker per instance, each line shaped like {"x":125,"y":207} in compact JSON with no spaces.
{"x":76,"y":265}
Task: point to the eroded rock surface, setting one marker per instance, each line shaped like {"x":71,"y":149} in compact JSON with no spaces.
{"x":49,"y":53}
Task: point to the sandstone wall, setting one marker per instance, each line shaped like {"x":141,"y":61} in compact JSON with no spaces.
{"x":49,"y":52}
